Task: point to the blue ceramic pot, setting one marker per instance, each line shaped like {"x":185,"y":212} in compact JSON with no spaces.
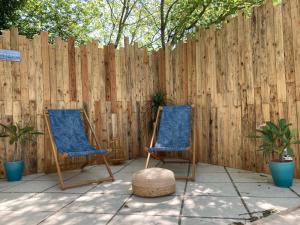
{"x":14,"y":170}
{"x":282,"y":173}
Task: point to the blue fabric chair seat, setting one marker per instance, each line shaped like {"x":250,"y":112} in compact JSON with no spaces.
{"x":69,"y":133}
{"x":85,"y":152}
{"x":174,"y":129}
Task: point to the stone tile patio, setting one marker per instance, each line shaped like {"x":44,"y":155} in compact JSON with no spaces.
{"x":220,"y":195}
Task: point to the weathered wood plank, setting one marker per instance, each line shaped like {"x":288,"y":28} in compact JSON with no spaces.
{"x":72,"y":69}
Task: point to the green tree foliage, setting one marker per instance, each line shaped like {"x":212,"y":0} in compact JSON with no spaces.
{"x":122,"y":17}
{"x":179,"y":17}
{"x":152,"y":23}
{"x":61,"y":18}
{"x":9,"y":10}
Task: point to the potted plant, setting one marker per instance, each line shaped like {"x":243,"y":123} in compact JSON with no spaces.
{"x":157,"y":99}
{"x":17,"y":135}
{"x":276,"y":141}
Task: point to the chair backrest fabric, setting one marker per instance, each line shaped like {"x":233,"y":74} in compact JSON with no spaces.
{"x":68,"y":130}
{"x":175,"y":127}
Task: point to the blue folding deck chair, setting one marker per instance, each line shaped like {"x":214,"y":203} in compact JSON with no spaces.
{"x":174,"y":125}
{"x":68,"y":137}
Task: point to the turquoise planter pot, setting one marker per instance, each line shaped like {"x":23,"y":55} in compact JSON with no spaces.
{"x":14,"y":170}
{"x":282,"y":173}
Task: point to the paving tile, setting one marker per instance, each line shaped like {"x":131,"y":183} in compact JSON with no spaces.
{"x":179,"y":169}
{"x":77,"y":218}
{"x":251,"y":177}
{"x":32,"y":176}
{"x":54,"y":176}
{"x":102,"y":169}
{"x":212,"y":177}
{"x":32,"y":186}
{"x":215,"y":189}
{"x":90,"y":175}
{"x":118,"y":186}
{"x":137,"y":165}
{"x":208,"y":168}
{"x":163,"y":206}
{"x":126,"y":177}
{"x":296,"y":180}
{"x":45,"y":202}
{"x":204,"y":198}
{"x":180,"y":186}
{"x":97,"y":203}
{"x":5,"y":184}
{"x":296,"y":187}
{"x":143,"y":220}
{"x":260,"y":204}
{"x":288,"y":217}
{"x":124,"y":186}
{"x":207,"y":221}
{"x":208,"y":206}
{"x":22,"y":218}
{"x":77,"y":190}
{"x":132,"y":169}
{"x":233,"y":170}
{"x":142,"y":162}
{"x":175,"y":166}
{"x":180,"y":172}
{"x":8,"y":201}
{"x":264,"y":190}
{"x":116,"y":168}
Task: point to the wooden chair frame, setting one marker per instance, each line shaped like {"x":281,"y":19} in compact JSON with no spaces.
{"x":190,"y":149}
{"x":64,"y":186}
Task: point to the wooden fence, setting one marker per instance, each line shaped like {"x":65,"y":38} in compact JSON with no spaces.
{"x":112,"y":85}
{"x":237,"y":77}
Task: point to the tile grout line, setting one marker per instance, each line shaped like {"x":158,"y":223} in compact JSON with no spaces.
{"x":117,"y":212}
{"x":292,"y":190}
{"x":126,"y":165}
{"x":59,"y":210}
{"x":124,"y":203}
{"x":216,"y":217}
{"x":33,"y":180}
{"x":67,"y":179}
{"x":238,"y":192}
{"x":183,"y":196}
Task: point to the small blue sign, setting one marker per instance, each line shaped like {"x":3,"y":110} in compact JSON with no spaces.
{"x":10,"y":55}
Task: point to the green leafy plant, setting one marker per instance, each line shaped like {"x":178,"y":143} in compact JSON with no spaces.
{"x":158,"y":99}
{"x":17,"y":134}
{"x":276,"y":138}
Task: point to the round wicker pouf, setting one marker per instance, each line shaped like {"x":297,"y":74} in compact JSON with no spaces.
{"x":153,"y":182}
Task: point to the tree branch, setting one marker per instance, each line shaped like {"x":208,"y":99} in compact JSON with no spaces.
{"x":179,"y":33}
{"x":169,"y":10}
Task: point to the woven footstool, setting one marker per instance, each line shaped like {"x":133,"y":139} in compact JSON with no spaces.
{"x":153,"y":182}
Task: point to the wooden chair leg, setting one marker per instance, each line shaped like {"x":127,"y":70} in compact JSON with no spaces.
{"x":85,"y":164}
{"x":60,"y":177}
{"x":147,"y":161}
{"x":108,"y":167}
{"x":194,"y":166}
